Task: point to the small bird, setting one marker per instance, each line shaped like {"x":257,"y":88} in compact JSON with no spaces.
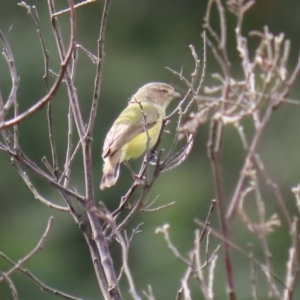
{"x":137,"y":127}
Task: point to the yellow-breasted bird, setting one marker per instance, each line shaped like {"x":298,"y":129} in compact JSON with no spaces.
{"x":141,"y":120}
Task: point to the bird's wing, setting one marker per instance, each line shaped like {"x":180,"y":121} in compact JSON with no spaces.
{"x":128,"y":125}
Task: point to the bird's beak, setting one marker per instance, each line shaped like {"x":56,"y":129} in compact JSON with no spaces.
{"x":176,"y":95}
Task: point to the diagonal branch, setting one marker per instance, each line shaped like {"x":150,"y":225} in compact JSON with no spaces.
{"x":47,"y":98}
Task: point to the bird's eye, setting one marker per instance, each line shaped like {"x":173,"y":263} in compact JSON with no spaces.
{"x":164,"y":91}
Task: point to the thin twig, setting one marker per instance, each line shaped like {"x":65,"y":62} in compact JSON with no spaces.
{"x":38,"y":105}
{"x":125,"y":250}
{"x":165,"y":231}
{"x":11,"y":285}
{"x":37,"y":248}
{"x":75,"y":6}
{"x":242,"y":251}
{"x":34,"y":191}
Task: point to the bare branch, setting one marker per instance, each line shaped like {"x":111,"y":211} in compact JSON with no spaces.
{"x":11,"y":285}
{"x":64,"y":65}
{"x":292,"y":271}
{"x":37,"y":248}
{"x":165,"y":231}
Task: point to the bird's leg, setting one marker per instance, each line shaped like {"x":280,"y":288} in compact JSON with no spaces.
{"x":139,"y":180}
{"x":153,"y":157}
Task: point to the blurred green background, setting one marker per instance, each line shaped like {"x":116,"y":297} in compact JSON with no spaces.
{"x":143,"y":37}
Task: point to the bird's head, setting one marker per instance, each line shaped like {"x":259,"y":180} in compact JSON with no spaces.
{"x":156,"y":92}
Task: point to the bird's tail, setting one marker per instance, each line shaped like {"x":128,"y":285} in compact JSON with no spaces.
{"x":110,"y":173}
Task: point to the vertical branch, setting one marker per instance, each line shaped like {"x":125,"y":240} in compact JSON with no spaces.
{"x":66,"y":172}
{"x":273,"y":291}
{"x":87,"y":155}
{"x":85,"y":138}
{"x":16,"y":131}
{"x":292,"y":271}
{"x":52,"y":140}
{"x":68,"y":159}
{"x":215,"y":143}
{"x":103,"y":250}
{"x":97,"y":266}
{"x":197,"y":258}
{"x":90,"y":208}
{"x":125,"y":248}
{"x":7,"y":53}
{"x":98,"y":78}
{"x":32,"y":11}
{"x":70,"y":85}
{"x":12,"y":99}
{"x":1,"y":108}
{"x":215,"y":153}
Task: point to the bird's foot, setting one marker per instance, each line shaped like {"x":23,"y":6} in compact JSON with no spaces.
{"x":140,"y":180}
{"x":153,"y":158}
